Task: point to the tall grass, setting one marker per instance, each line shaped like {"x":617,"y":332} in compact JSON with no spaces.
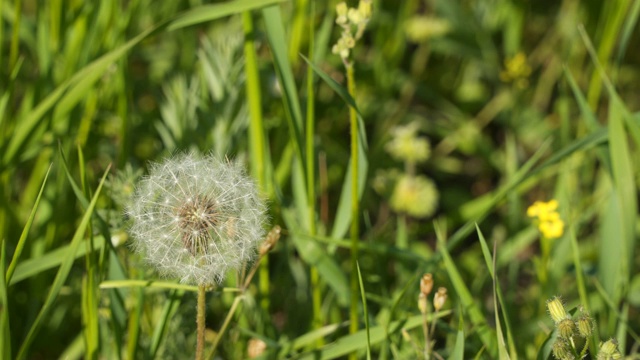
{"x":520,"y":102}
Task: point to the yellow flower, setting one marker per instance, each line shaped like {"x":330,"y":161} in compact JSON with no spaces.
{"x":541,"y":208}
{"x":517,"y":70}
{"x":548,"y":219}
{"x":551,"y":229}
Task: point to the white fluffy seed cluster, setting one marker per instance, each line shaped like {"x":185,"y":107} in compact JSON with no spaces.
{"x":196,"y":218}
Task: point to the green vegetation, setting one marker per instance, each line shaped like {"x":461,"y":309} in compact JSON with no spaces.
{"x":438,"y":174}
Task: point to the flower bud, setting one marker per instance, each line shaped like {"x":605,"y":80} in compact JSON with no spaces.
{"x":341,"y":11}
{"x":439,"y":298}
{"x":364,"y":7}
{"x":270,"y":242}
{"x":561,"y":350}
{"x":585,"y":325}
{"x":255,"y":348}
{"x":422,"y":303}
{"x":609,"y":350}
{"x":426,"y":284}
{"x":556,"y":310}
{"x":566,"y":328}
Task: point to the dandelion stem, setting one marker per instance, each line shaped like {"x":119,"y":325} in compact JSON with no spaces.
{"x":202,"y":296}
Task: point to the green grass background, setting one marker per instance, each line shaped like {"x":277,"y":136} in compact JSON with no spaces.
{"x":91,"y":91}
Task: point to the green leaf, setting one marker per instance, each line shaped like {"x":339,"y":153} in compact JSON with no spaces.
{"x":275,"y":33}
{"x":625,"y":188}
{"x":206,"y":13}
{"x":458,"y":348}
{"x":63,"y":272}
{"x":313,"y":254}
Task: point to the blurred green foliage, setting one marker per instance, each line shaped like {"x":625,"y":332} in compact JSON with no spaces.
{"x":516,"y":102}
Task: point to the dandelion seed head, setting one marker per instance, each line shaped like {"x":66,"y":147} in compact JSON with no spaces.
{"x":196,"y":218}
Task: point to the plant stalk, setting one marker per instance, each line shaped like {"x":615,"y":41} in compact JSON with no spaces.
{"x":202,"y":296}
{"x":353,"y":119}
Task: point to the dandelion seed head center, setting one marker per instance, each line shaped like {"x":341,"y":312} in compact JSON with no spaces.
{"x":196,"y":219}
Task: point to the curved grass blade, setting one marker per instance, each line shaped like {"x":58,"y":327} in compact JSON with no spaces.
{"x":34,"y":266}
{"x":63,"y":272}
{"x":25,"y":232}
{"x":206,"y":13}
{"x":357,"y":341}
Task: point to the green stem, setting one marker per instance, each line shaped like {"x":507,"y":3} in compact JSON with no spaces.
{"x":256,"y":136}
{"x":202,"y":296}
{"x":425,"y":329}
{"x":223,"y":329}
{"x":316,"y":294}
{"x":351,"y":86}
{"x":402,"y":238}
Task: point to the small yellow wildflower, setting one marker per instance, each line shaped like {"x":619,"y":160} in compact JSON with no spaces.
{"x":551,"y":229}
{"x":548,"y":219}
{"x":517,"y":70}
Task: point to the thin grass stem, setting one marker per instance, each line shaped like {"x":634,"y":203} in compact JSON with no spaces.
{"x":353,"y":119}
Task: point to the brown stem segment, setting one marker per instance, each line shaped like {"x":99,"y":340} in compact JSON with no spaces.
{"x":202,"y":296}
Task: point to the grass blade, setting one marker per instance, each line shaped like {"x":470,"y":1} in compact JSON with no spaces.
{"x":63,"y":272}
{"x":277,"y":41}
{"x":490,"y":261}
{"x":5,"y":330}
{"x":67,"y":94}
{"x":160,"y":329}
{"x":357,"y":341}
{"x":469,"y":305}
{"x":25,"y":232}
{"x":50,"y":260}
{"x":206,"y":13}
{"x":458,"y":348}
{"x":366,"y":313}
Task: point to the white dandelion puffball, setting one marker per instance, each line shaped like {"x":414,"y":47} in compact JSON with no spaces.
{"x":196,"y":218}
